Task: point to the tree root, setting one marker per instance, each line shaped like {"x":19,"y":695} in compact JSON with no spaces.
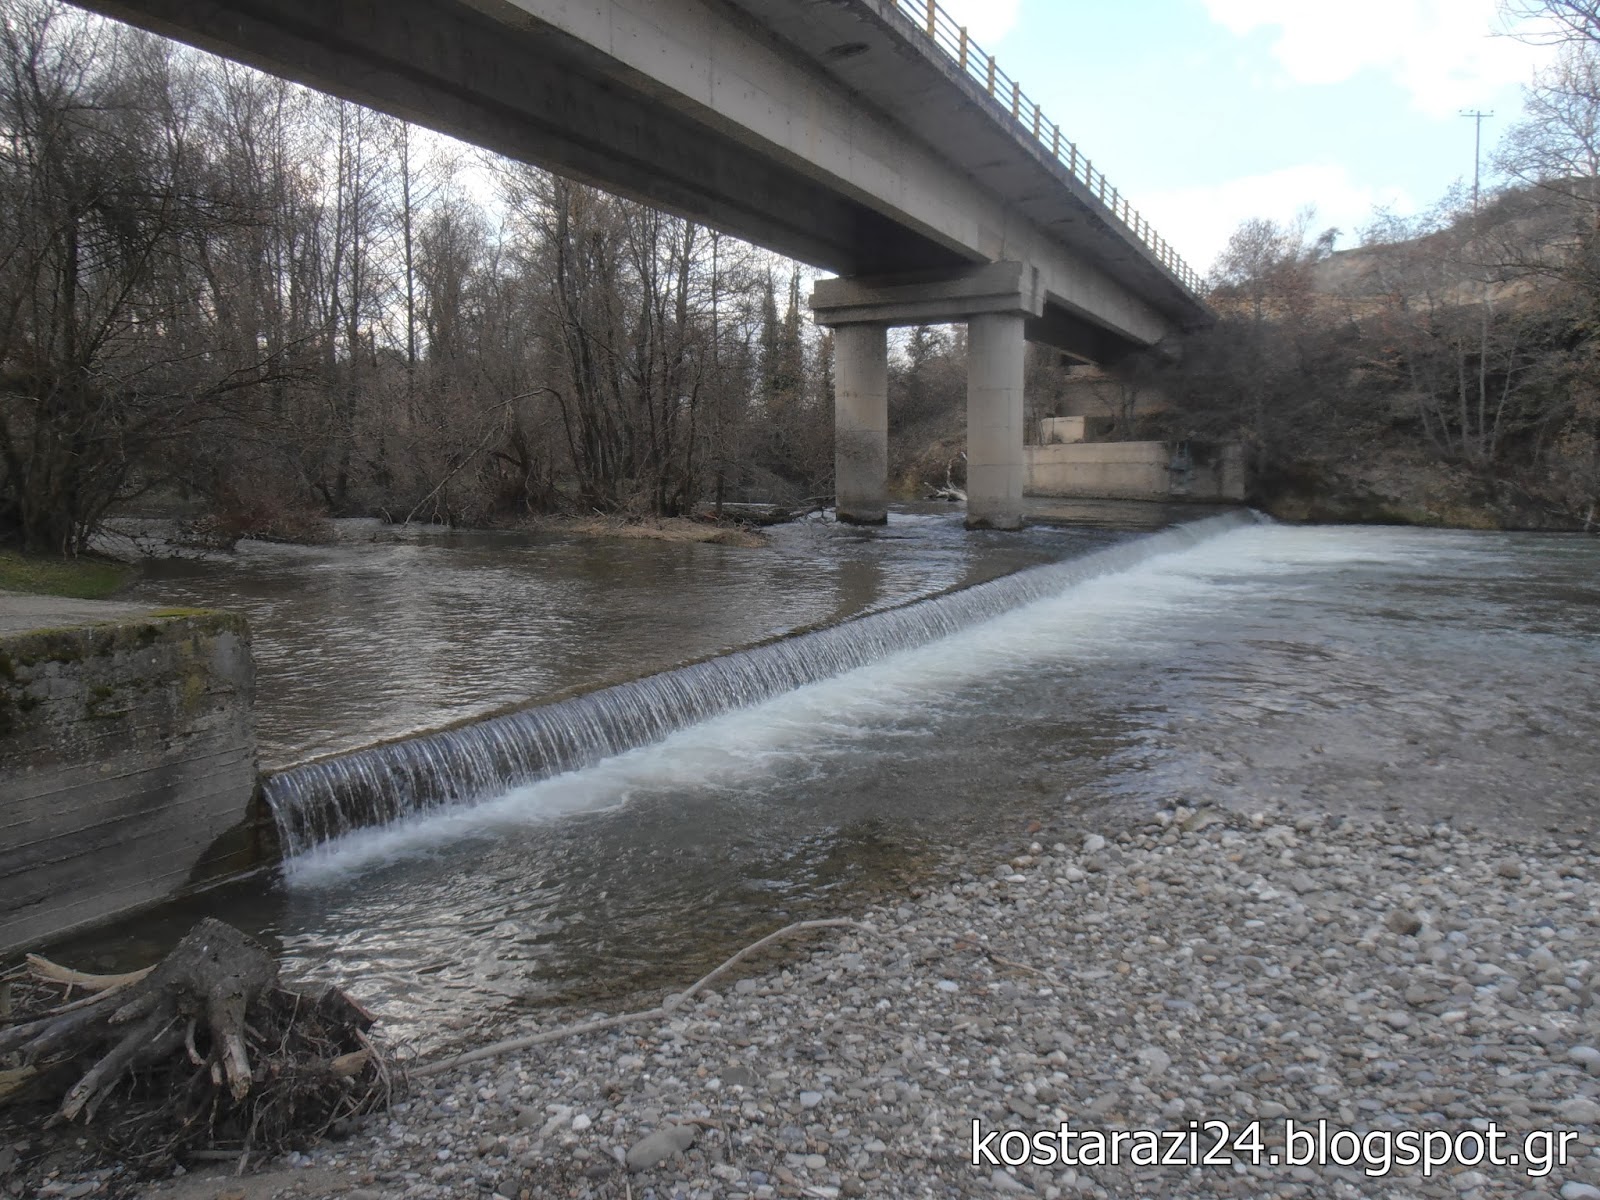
{"x":202,"y":1051}
{"x":206,"y":1057}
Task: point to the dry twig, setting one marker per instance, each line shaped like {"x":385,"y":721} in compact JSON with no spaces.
{"x":968,"y":943}
{"x":670,"y":1005}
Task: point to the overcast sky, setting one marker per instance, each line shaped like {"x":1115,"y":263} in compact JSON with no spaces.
{"x":1209,"y":112}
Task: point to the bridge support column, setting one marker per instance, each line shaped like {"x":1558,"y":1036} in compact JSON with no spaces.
{"x":861,"y":423}
{"x":995,"y":464}
{"x":997,"y":300}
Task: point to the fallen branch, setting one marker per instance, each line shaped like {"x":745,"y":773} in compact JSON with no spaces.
{"x":46,"y":971}
{"x":967,"y":943}
{"x":503,"y":407}
{"x":666,"y":1008}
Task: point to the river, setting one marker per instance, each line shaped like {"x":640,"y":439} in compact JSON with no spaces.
{"x":390,"y":629}
{"x":1444,"y":675}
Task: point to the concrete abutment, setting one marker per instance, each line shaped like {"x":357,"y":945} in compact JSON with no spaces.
{"x":127,"y":765}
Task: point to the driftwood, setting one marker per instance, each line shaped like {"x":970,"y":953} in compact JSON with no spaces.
{"x":203,"y":1051}
{"x":762,"y":516}
{"x":205,"y":1057}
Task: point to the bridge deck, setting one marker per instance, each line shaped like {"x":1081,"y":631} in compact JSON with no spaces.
{"x":910,"y":60}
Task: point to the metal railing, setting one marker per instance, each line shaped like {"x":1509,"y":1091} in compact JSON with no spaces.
{"x":953,"y":41}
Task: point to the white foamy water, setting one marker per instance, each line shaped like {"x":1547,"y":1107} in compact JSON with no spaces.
{"x":387,"y":784}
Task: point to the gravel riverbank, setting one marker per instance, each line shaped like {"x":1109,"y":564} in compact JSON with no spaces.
{"x":1205,"y":966}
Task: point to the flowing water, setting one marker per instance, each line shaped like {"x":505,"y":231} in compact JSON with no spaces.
{"x":388,"y":630}
{"x":459,"y":767}
{"x":1448,"y":675}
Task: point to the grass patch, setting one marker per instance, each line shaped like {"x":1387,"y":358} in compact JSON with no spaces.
{"x":80,"y":578}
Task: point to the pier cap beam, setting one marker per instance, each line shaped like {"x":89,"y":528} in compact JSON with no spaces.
{"x":930,"y":298}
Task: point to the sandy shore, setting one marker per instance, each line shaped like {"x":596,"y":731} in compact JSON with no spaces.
{"x":1385,"y":978}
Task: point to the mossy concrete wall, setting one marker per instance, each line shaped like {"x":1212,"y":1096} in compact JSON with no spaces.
{"x":127,"y":767}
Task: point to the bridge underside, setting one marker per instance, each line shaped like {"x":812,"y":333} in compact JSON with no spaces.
{"x":491,"y":74}
{"x":818,"y":130}
{"x":525,"y":89}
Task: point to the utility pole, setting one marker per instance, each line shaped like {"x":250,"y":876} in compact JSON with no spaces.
{"x":1477,"y":151}
{"x":1482,"y":438}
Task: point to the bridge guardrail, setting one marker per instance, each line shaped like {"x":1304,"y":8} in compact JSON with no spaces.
{"x":953,"y":41}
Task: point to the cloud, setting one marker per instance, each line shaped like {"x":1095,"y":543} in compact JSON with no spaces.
{"x":1199,"y":220}
{"x":987,"y":21}
{"x":1443,"y":52}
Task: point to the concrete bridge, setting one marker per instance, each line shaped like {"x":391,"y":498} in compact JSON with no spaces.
{"x":871,"y":138}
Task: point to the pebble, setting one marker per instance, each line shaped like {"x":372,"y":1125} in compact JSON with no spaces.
{"x":1371,"y":973}
{"x":1580,"y":1110}
{"x":1155,"y":1060}
{"x":1407,"y":924}
{"x":660,"y":1145}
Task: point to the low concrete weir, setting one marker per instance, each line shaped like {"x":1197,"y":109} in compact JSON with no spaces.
{"x":319,"y":801}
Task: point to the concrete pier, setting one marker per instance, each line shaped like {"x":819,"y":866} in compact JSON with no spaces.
{"x":998,"y":301}
{"x":861,"y":423}
{"x":995,"y":464}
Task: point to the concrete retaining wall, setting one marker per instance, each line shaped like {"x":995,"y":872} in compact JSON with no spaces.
{"x":1058,"y":430}
{"x":127,"y":767}
{"x":1135,"y":471}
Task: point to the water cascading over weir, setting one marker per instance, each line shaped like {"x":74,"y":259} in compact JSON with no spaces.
{"x":319,"y":801}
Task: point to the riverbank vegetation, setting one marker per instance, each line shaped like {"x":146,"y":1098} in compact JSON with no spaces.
{"x":1447,"y":368}
{"x":223,"y":293}
{"x":81,"y":578}
{"x":224,"y":288}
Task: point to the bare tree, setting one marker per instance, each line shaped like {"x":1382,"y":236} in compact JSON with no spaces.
{"x":106,"y":336}
{"x":1552,"y":22}
{"x":289,"y":305}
